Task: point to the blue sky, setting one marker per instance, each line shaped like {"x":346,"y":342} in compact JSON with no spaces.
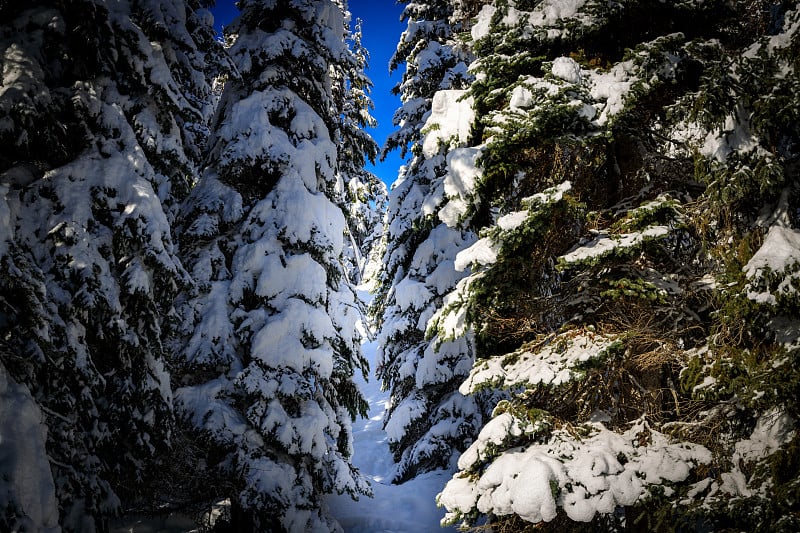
{"x":381,"y":31}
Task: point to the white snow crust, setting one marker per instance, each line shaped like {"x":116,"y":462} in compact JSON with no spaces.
{"x":605,"y":243}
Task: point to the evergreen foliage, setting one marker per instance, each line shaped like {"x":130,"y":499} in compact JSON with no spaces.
{"x":434,"y":61}
{"x":139,"y":385}
{"x":427,"y":421}
{"x":363,"y":194}
{"x":271,"y":342}
{"x":590,"y":266}
{"x":630,"y":291}
{"x":99,"y":146}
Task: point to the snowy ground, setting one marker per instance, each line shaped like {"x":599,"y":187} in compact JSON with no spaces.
{"x":410,"y":507}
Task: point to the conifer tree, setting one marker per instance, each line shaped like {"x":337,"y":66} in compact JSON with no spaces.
{"x":630,"y":202}
{"x":363,"y":193}
{"x":434,"y":61}
{"x":427,"y":420}
{"x":103,"y":113}
{"x":271,"y":343}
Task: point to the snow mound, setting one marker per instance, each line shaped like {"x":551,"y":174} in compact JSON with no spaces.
{"x":450,"y":117}
{"x":584,"y":477}
{"x":567,"y":69}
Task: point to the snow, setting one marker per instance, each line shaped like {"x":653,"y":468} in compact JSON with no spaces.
{"x":521,"y":97}
{"x":551,"y":11}
{"x":459,"y":183}
{"x":773,"y":429}
{"x":436,"y":364}
{"x":26,"y":483}
{"x":280,"y":343}
{"x":567,"y":69}
{"x":299,"y":215}
{"x":548,"y":362}
{"x":411,"y":294}
{"x":483,"y":22}
{"x":777,"y":42}
{"x":588,"y":474}
{"x":549,"y":196}
{"x":547,"y":13}
{"x":734,"y":136}
{"x":512,"y":221}
{"x":605,"y":244}
{"x":409,"y":507}
{"x":484,"y":252}
{"x":451,"y":318}
{"x":450,"y":117}
{"x":284,"y":277}
{"x":409,"y":410}
{"x":207,"y":406}
{"x":434,"y":258}
{"x":611,"y":87}
{"x":779,"y":253}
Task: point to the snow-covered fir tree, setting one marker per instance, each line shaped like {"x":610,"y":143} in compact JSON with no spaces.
{"x":634,"y":288}
{"x":433,"y":60}
{"x":363,"y":194}
{"x":427,"y":420}
{"x":103,"y":113}
{"x":271,"y":343}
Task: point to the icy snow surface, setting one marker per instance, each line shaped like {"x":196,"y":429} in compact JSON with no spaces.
{"x":410,"y":507}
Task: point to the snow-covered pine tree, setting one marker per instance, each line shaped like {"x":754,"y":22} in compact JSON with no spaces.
{"x":427,"y":420}
{"x":363,"y":194}
{"x":100,"y":104}
{"x":271,"y":343}
{"x":434,"y":61}
{"x":632,"y":288}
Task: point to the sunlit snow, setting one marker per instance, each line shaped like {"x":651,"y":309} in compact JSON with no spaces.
{"x":407,"y":508}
